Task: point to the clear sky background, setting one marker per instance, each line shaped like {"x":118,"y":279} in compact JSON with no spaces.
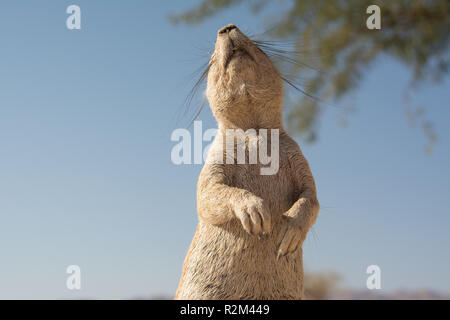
{"x":86,"y":176}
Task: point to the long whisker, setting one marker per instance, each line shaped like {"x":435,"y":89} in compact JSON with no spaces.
{"x":274,"y":50}
{"x":192,"y":93}
{"x":284,"y":55}
{"x":293,"y":85}
{"x":198,"y":112}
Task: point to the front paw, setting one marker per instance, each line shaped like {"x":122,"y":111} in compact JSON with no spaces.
{"x":292,"y":240}
{"x":254,"y":216}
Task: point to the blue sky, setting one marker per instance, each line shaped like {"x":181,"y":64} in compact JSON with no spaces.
{"x":86,"y":176}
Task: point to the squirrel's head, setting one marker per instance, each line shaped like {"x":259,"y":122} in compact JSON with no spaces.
{"x":244,"y":88}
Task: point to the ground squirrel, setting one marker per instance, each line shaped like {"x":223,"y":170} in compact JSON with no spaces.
{"x":248,"y":243}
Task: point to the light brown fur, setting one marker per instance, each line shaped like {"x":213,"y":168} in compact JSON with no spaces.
{"x":248,"y":243}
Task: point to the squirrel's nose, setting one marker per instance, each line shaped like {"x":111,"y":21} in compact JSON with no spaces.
{"x":227,"y":28}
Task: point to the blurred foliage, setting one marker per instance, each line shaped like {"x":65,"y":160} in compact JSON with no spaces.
{"x":320,"y":286}
{"x":333,"y":35}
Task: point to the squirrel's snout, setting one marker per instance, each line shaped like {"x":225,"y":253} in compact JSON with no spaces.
{"x":227,"y":28}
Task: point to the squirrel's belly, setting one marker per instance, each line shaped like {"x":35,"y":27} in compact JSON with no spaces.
{"x":227,"y":263}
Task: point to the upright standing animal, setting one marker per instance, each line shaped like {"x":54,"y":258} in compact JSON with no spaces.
{"x":248,"y":243}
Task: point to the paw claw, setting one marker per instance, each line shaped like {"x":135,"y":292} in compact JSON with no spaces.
{"x":253,"y":216}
